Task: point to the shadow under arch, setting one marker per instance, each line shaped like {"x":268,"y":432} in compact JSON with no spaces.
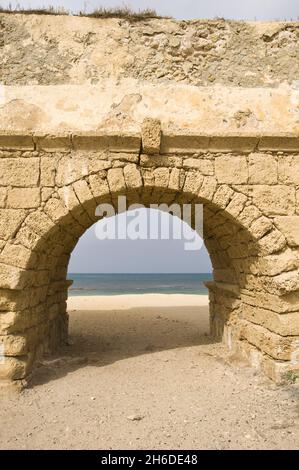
{"x":106,"y":340}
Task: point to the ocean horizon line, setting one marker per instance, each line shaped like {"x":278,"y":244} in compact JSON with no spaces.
{"x":138,"y":283}
{"x":158,"y":273}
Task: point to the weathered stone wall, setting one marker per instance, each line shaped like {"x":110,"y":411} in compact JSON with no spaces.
{"x":112,"y":120}
{"x":61,"y":49}
{"x":48,"y":200}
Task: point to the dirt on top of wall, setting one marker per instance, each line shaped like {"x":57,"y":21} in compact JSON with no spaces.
{"x":45,"y":49}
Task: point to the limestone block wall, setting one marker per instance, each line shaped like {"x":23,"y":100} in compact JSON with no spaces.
{"x":160,"y":111}
{"x":251,"y":225}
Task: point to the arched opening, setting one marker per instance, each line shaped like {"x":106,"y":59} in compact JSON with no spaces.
{"x":53,"y":251}
{"x":238,"y":237}
{"x":143,"y":293}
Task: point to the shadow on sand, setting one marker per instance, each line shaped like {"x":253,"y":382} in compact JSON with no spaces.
{"x":99,"y":338}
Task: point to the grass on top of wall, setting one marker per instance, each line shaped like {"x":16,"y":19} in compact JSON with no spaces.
{"x":121,"y":12}
{"x":34,"y":11}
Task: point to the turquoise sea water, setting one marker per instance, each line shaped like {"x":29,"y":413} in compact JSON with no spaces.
{"x":115,"y":284}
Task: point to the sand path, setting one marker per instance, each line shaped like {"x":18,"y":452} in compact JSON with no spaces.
{"x":139,"y":377}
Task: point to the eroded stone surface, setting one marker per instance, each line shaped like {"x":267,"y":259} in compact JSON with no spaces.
{"x":61,"y":50}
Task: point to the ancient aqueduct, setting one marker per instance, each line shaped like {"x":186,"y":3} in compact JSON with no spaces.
{"x":159,"y":111}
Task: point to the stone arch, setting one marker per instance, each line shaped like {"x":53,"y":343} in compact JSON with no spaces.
{"x":234,"y":150}
{"x":247,"y":250}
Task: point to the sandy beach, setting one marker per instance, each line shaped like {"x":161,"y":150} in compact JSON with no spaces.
{"x":141,"y":372}
{"x":128,"y":301}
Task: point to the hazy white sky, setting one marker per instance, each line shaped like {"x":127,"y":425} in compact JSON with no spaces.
{"x":110,"y":256}
{"x":184,"y":9}
{"x":92,"y":255}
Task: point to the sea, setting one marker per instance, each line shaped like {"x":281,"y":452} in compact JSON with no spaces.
{"x":116,"y":284}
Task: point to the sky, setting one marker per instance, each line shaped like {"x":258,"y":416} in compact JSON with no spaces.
{"x":94,"y":255}
{"x":136,"y":255}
